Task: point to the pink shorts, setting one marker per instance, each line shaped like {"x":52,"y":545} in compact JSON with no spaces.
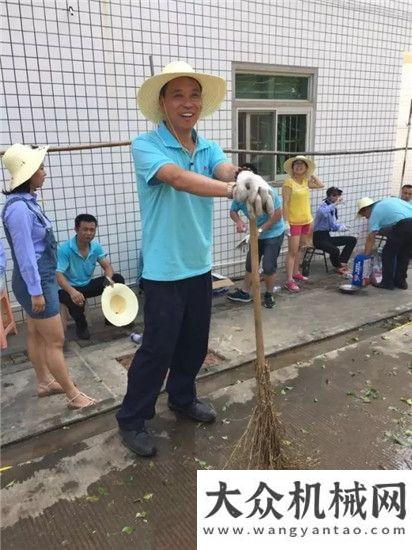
{"x":296,"y":230}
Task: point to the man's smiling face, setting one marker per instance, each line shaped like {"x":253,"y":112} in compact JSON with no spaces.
{"x":182,"y":103}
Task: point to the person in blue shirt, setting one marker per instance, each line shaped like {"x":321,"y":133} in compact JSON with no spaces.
{"x":326,"y":221}
{"x":391,"y":217}
{"x":3,"y":265}
{"x":33,"y":249}
{"x":271,"y":232}
{"x":406,"y":193}
{"x":76,"y":261}
{"x":178,"y":174}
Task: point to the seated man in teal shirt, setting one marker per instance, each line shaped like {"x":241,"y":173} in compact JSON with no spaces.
{"x":76,"y":262}
{"x":271,"y":232}
{"x":393,"y":218}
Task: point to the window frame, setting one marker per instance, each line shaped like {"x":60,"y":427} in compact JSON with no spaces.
{"x":279,"y":107}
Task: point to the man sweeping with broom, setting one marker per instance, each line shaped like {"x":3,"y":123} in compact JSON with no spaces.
{"x":178,"y":172}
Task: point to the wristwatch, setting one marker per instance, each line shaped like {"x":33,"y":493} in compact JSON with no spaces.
{"x":229,"y":189}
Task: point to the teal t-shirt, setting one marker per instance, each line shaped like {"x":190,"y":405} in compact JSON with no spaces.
{"x":77,"y":269}
{"x":176,"y":226}
{"x":276,"y":229}
{"x":387,"y":212}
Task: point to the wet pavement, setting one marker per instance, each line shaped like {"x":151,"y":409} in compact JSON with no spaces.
{"x":79,"y":488}
{"x":342,"y":376}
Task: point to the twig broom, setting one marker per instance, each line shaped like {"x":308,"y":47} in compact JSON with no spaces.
{"x":261,"y":446}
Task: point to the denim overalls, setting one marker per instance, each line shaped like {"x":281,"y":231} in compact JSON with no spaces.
{"x":47,"y":264}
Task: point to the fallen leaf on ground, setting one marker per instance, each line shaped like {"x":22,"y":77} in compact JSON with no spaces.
{"x":148,"y":496}
{"x":407,"y":400}
{"x":127,"y":530}
{"x":92,"y":498}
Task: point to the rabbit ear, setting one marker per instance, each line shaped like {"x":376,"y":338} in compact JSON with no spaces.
{"x":267,"y":201}
{"x":251,"y":210}
{"x":258,"y":205}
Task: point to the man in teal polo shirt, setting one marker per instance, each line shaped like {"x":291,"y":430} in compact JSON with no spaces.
{"x":391,"y":217}
{"x":76,"y":261}
{"x":178,"y":174}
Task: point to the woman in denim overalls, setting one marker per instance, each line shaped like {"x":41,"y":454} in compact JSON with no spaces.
{"x":33,"y":249}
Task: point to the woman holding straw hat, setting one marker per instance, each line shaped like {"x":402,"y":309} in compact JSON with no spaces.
{"x":297,"y":213}
{"x":178,"y":172}
{"x":33,"y":248}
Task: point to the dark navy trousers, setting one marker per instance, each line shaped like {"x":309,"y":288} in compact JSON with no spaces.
{"x":175,"y":340}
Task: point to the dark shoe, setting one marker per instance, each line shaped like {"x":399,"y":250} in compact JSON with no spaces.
{"x":403,"y":285}
{"x":382,"y":285}
{"x":269,"y":300}
{"x":239,"y":296}
{"x":82,"y":332}
{"x":140,"y":442}
{"x":196,"y":411}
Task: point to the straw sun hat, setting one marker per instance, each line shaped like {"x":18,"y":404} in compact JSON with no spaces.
{"x":119,"y":304}
{"x":213,"y":90}
{"x":287,"y":166}
{"x":363,"y":203}
{"x":22,"y":162}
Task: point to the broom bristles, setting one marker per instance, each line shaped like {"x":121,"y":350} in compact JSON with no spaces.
{"x":262,"y":446}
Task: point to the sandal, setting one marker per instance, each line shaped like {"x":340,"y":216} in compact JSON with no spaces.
{"x":50,"y":391}
{"x":291,"y":286}
{"x":74,"y":407}
{"x":300,"y":277}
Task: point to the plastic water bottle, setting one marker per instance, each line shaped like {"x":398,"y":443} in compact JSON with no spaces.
{"x":136,"y":337}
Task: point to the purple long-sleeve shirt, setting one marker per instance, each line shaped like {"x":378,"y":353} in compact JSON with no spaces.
{"x":28,"y":237}
{"x":326,"y":218}
{"x":3,"y":261}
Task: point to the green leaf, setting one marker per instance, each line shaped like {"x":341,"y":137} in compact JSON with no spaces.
{"x":351,"y":394}
{"x":406,"y":400}
{"x":372,"y":392}
{"x":141,"y":515}
{"x":102,"y":490}
{"x":203,"y":464}
{"x":400,"y":441}
{"x":148,"y":496}
{"x":128,"y":530}
{"x":285,"y":389}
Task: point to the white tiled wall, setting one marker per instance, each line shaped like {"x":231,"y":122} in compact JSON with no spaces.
{"x":70,"y":70}
{"x":404,"y":118}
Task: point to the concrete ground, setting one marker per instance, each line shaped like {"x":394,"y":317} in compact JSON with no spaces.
{"x":318,"y":312}
{"x":341,"y":373}
{"x":79,"y":488}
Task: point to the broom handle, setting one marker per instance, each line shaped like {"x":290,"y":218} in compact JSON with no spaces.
{"x":260,"y":348}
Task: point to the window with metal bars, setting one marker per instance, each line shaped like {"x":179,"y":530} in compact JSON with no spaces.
{"x":273,"y":112}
